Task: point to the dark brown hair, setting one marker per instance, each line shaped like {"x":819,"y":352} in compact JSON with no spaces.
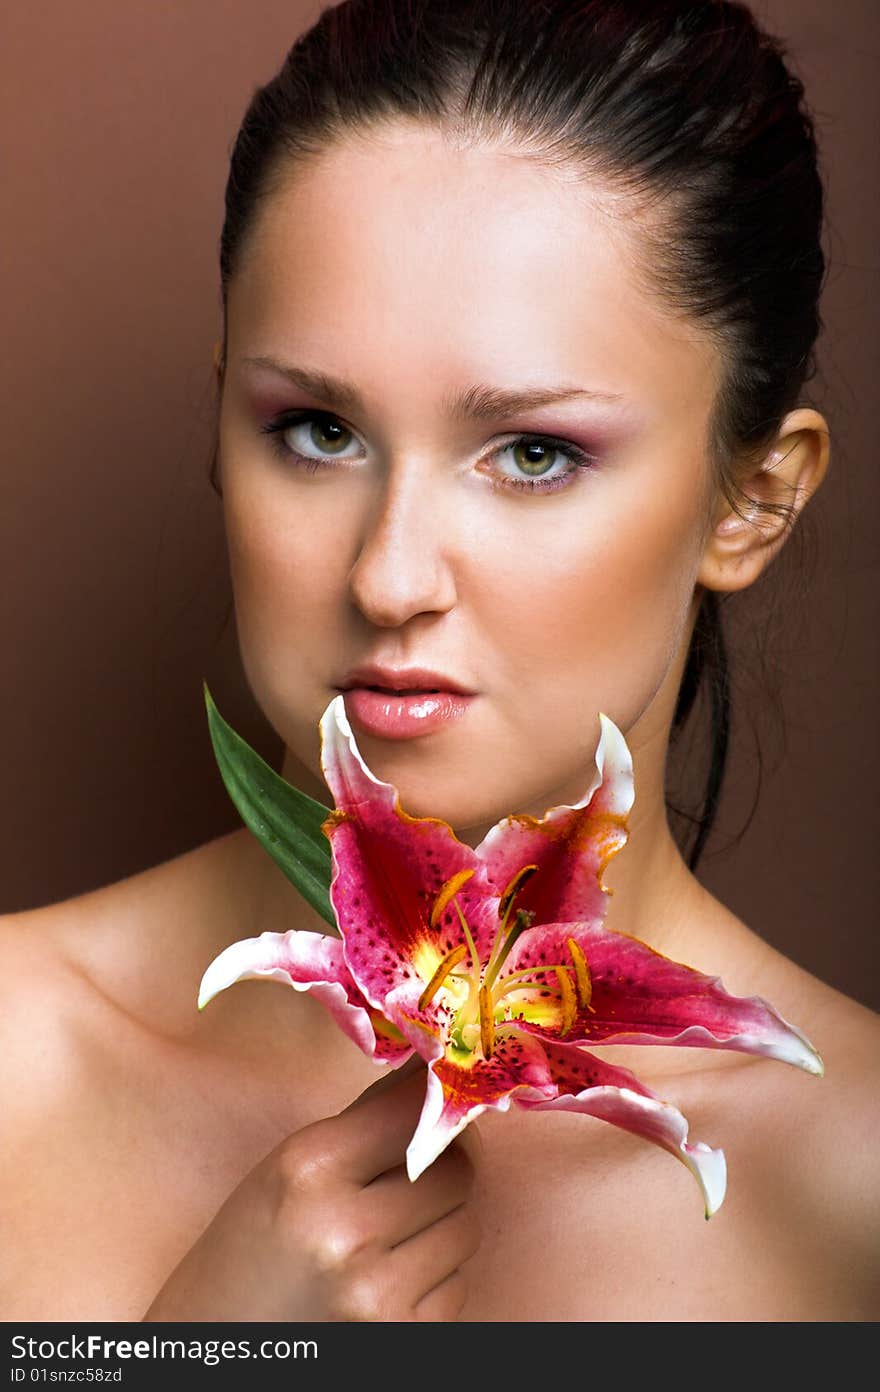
{"x":687,"y":106}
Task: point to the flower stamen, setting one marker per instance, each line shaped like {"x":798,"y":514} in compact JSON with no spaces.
{"x":451,"y":960}
{"x":524,"y":919}
{"x":487,"y":1021}
{"x":450,"y":888}
{"x":468,"y":937}
{"x":524,"y":873}
{"x":582,"y":975}
{"x":512,"y":983}
{"x":568,"y":1001}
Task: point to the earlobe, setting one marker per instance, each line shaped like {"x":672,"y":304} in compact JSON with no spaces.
{"x":740,"y":547}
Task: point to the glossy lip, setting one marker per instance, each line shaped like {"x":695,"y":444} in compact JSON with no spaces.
{"x":403,"y":715}
{"x":402,"y":679}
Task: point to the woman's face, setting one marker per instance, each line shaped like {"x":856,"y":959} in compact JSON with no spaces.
{"x":421,"y":274}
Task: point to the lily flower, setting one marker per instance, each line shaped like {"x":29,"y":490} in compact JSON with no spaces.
{"x":495,"y":965}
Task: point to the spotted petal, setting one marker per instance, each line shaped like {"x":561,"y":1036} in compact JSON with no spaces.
{"x":309,"y":962}
{"x":388,"y":869}
{"x":544,"y":1076}
{"x":589,"y":1085}
{"x":457,"y":1093}
{"x":639,"y":996}
{"x":571,"y":845}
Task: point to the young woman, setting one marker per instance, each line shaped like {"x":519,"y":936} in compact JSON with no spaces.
{"x":519,"y":304}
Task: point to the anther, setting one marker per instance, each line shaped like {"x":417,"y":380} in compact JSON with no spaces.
{"x":487,"y":1021}
{"x":450,"y":888}
{"x":568,"y":1000}
{"x":582,"y":975}
{"x":450,"y":961}
{"x":525,"y":873}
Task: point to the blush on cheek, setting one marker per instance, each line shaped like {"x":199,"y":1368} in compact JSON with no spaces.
{"x":602,"y":620}
{"x":650,"y":606}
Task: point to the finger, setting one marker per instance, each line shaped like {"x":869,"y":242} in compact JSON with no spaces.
{"x":398,"y":1207}
{"x":371,"y":1135}
{"x":446,"y":1301}
{"x":416,"y":1266}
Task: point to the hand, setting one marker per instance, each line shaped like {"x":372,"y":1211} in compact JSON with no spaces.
{"x":329,"y":1227}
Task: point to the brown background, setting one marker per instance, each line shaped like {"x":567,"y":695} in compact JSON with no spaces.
{"x":117,"y":123}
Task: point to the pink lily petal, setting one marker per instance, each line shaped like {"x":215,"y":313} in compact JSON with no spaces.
{"x":308,"y":962}
{"x":640,"y":996}
{"x":571,"y":845}
{"x":388,"y":869}
{"x":546,"y":1076}
{"x":534,"y":1071}
{"x":456,"y":1094}
{"x":595,"y":1088}
{"x":494,"y":965}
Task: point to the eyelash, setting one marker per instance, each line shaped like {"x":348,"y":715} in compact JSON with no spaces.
{"x":578,"y":457}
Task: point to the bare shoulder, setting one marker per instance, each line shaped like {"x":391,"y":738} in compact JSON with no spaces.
{"x":803,"y":1204}
{"x":127,"y":1116}
{"x":823,"y":1134}
{"x":34,"y":1041}
{"x":130,"y":950}
{"x":124,"y":962}
{"x":51,"y":1090}
{"x":847,"y":1035}
{"x":139,"y":942}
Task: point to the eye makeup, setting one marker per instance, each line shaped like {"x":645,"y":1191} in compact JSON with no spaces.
{"x":577,"y":458}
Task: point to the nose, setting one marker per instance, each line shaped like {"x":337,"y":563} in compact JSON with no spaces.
{"x":403,"y":566}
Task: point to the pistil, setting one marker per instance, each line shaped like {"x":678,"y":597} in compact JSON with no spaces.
{"x":524,"y":919}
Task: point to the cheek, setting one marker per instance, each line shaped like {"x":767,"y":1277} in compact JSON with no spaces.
{"x":286,"y":577}
{"x":593,"y":618}
{"x":285,"y":566}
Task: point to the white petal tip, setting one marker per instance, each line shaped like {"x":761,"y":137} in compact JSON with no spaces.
{"x":212,"y":984}
{"x":799,"y":1051}
{"x":232,"y":964}
{"x":415,"y":1167}
{"x":336,"y":711}
{"x":802,"y":1054}
{"x":614,"y":763}
{"x":207,"y":991}
{"x":710,"y":1169}
{"x":333,"y":726}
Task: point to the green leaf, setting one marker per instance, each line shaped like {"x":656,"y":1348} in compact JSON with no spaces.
{"x":285,"y":821}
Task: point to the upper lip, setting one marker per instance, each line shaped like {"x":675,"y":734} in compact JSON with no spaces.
{"x":402,"y":679}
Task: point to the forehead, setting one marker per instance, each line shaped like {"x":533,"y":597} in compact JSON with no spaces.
{"x":403,"y":249}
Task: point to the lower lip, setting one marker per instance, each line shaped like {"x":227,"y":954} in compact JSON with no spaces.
{"x":403,"y":717}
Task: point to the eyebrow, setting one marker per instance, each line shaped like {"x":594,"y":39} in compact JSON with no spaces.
{"x":477,"y":402}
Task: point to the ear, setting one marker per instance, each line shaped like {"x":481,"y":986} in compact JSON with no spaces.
{"x":218,"y":357}
{"x":737,"y":549}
